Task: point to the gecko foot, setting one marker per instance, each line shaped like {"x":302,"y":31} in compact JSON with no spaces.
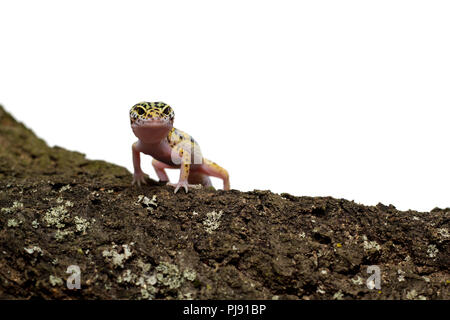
{"x":185,"y":185}
{"x":139,"y":178}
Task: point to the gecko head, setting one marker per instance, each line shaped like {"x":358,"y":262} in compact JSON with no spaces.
{"x":151,"y":121}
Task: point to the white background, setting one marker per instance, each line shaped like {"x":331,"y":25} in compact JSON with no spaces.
{"x":348,"y":99}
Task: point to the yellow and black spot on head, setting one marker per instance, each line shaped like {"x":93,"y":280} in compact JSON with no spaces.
{"x":151,"y":110}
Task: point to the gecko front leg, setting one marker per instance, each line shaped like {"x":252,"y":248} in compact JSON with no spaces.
{"x":183,"y":182}
{"x":159,"y":169}
{"x":139,"y":176}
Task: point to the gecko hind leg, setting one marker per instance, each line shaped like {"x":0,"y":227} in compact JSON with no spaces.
{"x":196,"y":177}
{"x":159,"y":169}
{"x":214,"y":170}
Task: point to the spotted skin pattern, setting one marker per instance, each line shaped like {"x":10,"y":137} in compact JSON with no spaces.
{"x":171,"y":148}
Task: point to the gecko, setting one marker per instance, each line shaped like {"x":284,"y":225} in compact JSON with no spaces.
{"x":170,"y":148}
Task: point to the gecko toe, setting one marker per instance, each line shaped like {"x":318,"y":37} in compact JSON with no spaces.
{"x":139,"y":179}
{"x":185,"y":186}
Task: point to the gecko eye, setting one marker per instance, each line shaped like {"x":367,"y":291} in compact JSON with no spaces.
{"x":167,"y":110}
{"x":140,"y":111}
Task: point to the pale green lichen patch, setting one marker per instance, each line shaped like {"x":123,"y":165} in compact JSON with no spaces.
{"x":432,"y":251}
{"x":358,"y":280}
{"x":34,"y":249}
{"x":212,"y":221}
{"x":413,"y":295}
{"x":165,"y":277}
{"x":55,"y":217}
{"x":126,"y":276}
{"x":81,"y":224}
{"x":148,"y":292}
{"x":69,"y":203}
{"x":144,"y":266}
{"x":55,"y":281}
{"x":189,"y":274}
{"x":370,"y":245}
{"x":13,"y":223}
{"x":338,"y":295}
{"x":149,"y":204}
{"x":15,"y":207}
{"x":116,"y":258}
{"x":65,"y":188}
{"x":35,"y":224}
{"x":401,"y":275}
{"x":443,"y":232}
{"x":170,"y":276}
{"x":61,"y":234}
{"x":142,"y":280}
{"x":320,"y":290}
{"x":60,"y":200}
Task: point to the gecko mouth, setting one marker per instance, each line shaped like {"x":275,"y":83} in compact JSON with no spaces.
{"x":151,"y":130}
{"x":150,"y":122}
